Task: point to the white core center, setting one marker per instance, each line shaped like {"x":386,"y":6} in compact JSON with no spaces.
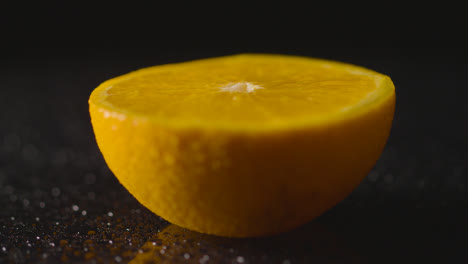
{"x":240,"y":87}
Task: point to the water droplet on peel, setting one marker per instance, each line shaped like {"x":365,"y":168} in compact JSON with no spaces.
{"x":4,"y":249}
{"x":186,"y":256}
{"x":37,"y":219}
{"x":111,"y":242}
{"x":110,"y":214}
{"x":162,"y":251}
{"x":38,"y":238}
{"x":83,"y":212}
{"x":75,"y":207}
{"x":140,"y":251}
{"x":12,"y":218}
{"x":154,"y":243}
{"x":118,"y":258}
{"x":57,"y":223}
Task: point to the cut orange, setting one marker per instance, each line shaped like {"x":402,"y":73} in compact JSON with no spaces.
{"x":244,"y":145}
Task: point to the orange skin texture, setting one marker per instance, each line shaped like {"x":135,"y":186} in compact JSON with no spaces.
{"x":243,"y":183}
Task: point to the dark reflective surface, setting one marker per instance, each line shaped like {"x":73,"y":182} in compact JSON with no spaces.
{"x":60,"y":203}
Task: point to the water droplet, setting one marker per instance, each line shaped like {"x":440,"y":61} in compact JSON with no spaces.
{"x":38,"y":238}
{"x":57,"y":223}
{"x":162,"y":251}
{"x":140,"y":251}
{"x":83,"y":212}
{"x":240,"y":259}
{"x":186,"y":256}
{"x":154,"y":243}
{"x":108,"y":224}
{"x":41,"y":204}
{"x":164,"y":247}
{"x":111,"y":242}
{"x":52,"y":244}
{"x":118,"y":258}
{"x":204,"y":259}
{"x":44,"y":255}
{"x":4,"y":249}
{"x":12,"y":218}
{"x":37,"y":219}
{"x":55,"y":191}
{"x":75,"y":207}
{"x":110,"y":214}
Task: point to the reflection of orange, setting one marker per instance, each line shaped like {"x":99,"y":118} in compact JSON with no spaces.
{"x":311,"y":243}
{"x":244,"y":145}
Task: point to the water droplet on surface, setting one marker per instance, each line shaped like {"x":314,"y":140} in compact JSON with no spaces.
{"x":154,"y":243}
{"x":186,"y":256}
{"x":12,"y":218}
{"x":118,"y":258}
{"x":162,"y":251}
{"x":83,"y":212}
{"x":41,"y":204}
{"x":204,"y":259}
{"x":110,"y":214}
{"x":38,"y":238}
{"x":37,"y":219}
{"x":75,"y":207}
{"x":4,"y":249}
{"x":111,"y":242}
{"x":140,"y":251}
{"x":240,"y":259}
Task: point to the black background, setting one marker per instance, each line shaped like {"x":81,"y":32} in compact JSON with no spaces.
{"x":412,"y":206}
